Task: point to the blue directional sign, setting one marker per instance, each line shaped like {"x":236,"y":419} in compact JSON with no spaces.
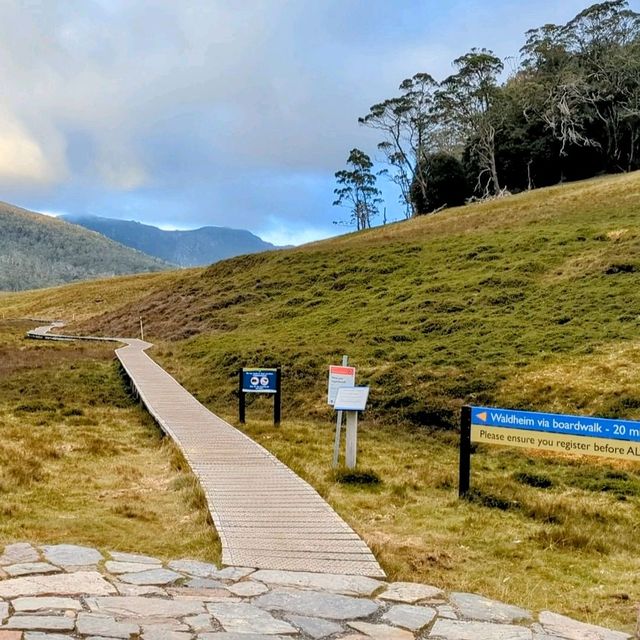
{"x":556,"y":423}
{"x":260,"y":380}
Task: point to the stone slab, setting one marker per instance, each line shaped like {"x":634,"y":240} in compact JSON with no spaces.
{"x":315,"y":604}
{"x":48,"y":623}
{"x":226,"y":635}
{"x":78,"y":583}
{"x":165,"y":634}
{"x":39,"y":635}
{"x":13,"y":635}
{"x":333,"y":583}
{"x":71,"y":555}
{"x":248,"y":588}
{"x":115,"y":567}
{"x":119,"y":556}
{"x":4,"y":611}
{"x":555,"y":624}
{"x":241,"y":617}
{"x":141,"y":607}
{"x":154,"y":577}
{"x":194,"y":568}
{"x":474,"y":607}
{"x":30,"y":568}
{"x":18,"y":553}
{"x":44,"y":603}
{"x":409,"y":616}
{"x":469,"y":630}
{"x":381,"y":631}
{"x":410,"y":592}
{"x":91,"y":624}
{"x":317,"y":628}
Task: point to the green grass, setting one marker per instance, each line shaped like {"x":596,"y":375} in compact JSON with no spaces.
{"x":527,"y":302}
{"x":81,"y":462}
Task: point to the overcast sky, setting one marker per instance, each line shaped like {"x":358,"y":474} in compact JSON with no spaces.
{"x":219,"y":112}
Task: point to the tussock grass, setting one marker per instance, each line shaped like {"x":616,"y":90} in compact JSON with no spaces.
{"x":81,"y":462}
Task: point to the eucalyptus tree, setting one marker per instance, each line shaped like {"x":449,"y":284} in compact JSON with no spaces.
{"x":468,"y":106}
{"x":409,"y":128}
{"x":357,"y":189}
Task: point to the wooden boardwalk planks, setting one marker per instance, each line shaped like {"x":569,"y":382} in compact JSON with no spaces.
{"x":266,"y":516}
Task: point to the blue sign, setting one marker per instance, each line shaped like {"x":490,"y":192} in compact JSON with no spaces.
{"x":556,"y":423}
{"x":260,"y":380}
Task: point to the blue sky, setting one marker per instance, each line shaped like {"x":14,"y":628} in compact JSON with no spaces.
{"x":219,"y":112}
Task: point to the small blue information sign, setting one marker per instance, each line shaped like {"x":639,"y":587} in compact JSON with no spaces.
{"x":260,"y":380}
{"x":557,"y":423}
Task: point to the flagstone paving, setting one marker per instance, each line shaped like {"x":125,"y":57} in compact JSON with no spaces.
{"x":244,"y":603}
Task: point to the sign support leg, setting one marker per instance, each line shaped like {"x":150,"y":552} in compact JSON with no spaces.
{"x":352,"y":439}
{"x":336,"y":442}
{"x":465,"y":452}
{"x":277,"y":400}
{"x":241,"y":399}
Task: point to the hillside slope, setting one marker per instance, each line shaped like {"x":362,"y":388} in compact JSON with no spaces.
{"x":39,"y":251}
{"x":530,"y":301}
{"x":192,"y":248}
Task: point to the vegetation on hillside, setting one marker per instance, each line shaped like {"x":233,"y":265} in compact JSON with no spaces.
{"x":39,"y":251}
{"x":569,"y":109}
{"x":526,"y":302}
{"x":81,"y":462}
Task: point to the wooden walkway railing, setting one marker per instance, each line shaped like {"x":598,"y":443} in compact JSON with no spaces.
{"x":266,"y":516}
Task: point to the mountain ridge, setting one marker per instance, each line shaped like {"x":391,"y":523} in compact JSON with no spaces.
{"x":185,"y":248}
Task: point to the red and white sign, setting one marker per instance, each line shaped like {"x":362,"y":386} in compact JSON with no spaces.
{"x":339,"y":377}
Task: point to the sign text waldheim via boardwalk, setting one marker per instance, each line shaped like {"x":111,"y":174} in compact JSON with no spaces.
{"x":584,"y":435}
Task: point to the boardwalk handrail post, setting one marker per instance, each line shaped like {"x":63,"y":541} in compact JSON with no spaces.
{"x":465,"y":452}
{"x":241,"y":398}
{"x":277,"y":399}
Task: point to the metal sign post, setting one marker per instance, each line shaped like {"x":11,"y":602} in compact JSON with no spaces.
{"x":260,"y":381}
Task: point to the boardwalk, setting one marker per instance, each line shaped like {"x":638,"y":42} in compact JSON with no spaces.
{"x":266,"y":516}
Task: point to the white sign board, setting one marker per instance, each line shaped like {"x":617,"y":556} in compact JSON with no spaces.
{"x":351,"y":399}
{"x":340,"y":377}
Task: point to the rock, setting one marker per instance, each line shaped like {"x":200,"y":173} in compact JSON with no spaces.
{"x":139,"y":607}
{"x":409,"y":616}
{"x":44,"y":623}
{"x":194,"y":568}
{"x":71,"y":555}
{"x":91,"y":624}
{"x":19,"y":553}
{"x":46,"y":604}
{"x":248,"y":589}
{"x":226,"y":635}
{"x":200,"y":622}
{"x":555,"y":624}
{"x":38,"y":635}
{"x":333,"y":583}
{"x":315,"y":604}
{"x":165,"y":634}
{"x":80,"y":582}
{"x":133,"y":557}
{"x":473,"y":607}
{"x":233,"y":573}
{"x":447,"y":611}
{"x":381,"y":631}
{"x":138,"y":590}
{"x":4,"y":611}
{"x":205,"y":583}
{"x":410,"y":592}
{"x":203,"y":595}
{"x":464,"y":630}
{"x":15,"y":635}
{"x":151,"y":577}
{"x":30,"y":568}
{"x":241,"y":617}
{"x":113,"y":566}
{"x":315,"y":627}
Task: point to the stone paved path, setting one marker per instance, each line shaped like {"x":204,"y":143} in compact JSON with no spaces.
{"x":266,"y":516}
{"x":59,"y":592}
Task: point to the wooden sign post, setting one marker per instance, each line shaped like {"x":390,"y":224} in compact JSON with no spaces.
{"x":352,"y":400}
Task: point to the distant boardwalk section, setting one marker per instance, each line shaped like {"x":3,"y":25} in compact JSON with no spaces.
{"x":266,"y":516}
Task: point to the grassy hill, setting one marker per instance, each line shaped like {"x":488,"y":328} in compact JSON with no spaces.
{"x":527,"y":302}
{"x":39,"y":251}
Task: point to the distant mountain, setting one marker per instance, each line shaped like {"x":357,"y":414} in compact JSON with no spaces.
{"x":192,"y":248}
{"x":40,"y":251}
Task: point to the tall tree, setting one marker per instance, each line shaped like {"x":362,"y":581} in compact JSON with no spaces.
{"x":467,"y":105}
{"x":357,"y":189}
{"x":408,"y":126}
